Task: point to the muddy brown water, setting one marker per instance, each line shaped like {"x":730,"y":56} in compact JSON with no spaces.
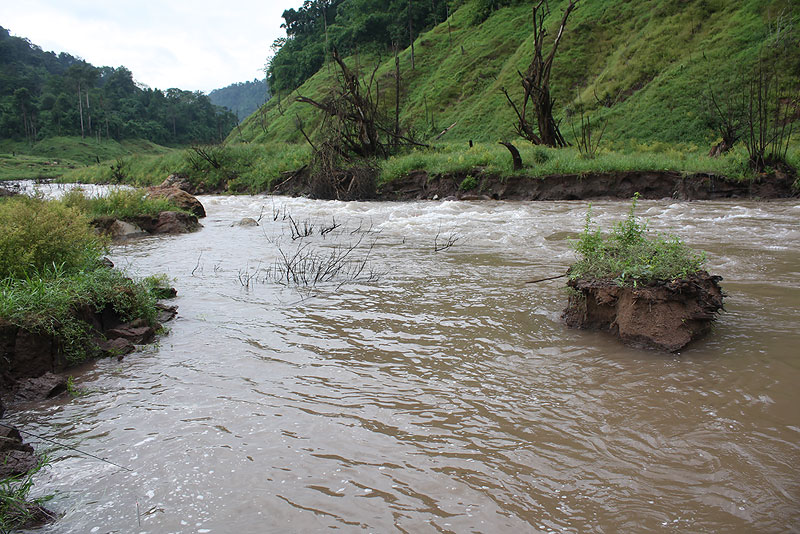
{"x":445,"y":396}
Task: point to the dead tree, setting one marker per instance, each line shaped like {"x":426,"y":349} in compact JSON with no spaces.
{"x":354,"y":131}
{"x":536,"y":84}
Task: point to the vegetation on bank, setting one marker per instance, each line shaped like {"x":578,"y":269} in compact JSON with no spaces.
{"x":118,"y":203}
{"x":647,"y":69}
{"x":50,"y":270}
{"x":17,"y":511}
{"x":630,"y":255}
{"x":256,"y":168}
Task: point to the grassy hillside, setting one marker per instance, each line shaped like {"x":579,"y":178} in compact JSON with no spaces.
{"x":54,"y":156}
{"x":649,"y":63}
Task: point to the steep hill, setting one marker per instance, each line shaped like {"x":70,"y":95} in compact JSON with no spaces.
{"x":645,"y":67}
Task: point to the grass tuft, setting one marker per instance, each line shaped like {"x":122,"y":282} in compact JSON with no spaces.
{"x":631,"y":256}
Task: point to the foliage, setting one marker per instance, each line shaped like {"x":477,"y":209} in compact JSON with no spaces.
{"x":36,"y":236}
{"x":242,"y":167}
{"x":348,"y":25}
{"x":468,"y":184}
{"x":118,"y":203}
{"x":46,"y":302}
{"x":648,"y":63}
{"x":16,"y":510}
{"x":43,"y":95}
{"x":50,"y":269}
{"x":630,"y":256}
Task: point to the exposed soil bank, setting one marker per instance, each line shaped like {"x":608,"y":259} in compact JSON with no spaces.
{"x":619,"y":184}
{"x":665,"y":316}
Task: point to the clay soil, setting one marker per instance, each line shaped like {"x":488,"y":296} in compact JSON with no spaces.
{"x":663,"y":316}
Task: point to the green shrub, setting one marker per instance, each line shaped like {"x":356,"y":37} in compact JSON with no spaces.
{"x":468,"y":184}
{"x":630,"y":256}
{"x":36,"y":235}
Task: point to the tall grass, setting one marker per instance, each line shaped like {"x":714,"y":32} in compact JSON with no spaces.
{"x":16,"y":509}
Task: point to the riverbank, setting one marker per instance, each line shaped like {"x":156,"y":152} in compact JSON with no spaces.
{"x":63,"y":303}
{"x":456,"y":169}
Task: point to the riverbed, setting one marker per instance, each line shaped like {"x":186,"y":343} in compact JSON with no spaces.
{"x":425,"y":387}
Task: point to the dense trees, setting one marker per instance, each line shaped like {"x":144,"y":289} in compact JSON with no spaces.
{"x":43,"y":94}
{"x":369,"y":25}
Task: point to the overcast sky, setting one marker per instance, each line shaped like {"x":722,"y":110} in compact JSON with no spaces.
{"x":189,"y":44}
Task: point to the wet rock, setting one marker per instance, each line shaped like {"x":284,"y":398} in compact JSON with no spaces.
{"x":16,"y":457}
{"x":28,"y":354}
{"x":115,"y":347}
{"x":168,"y":222}
{"x":4,"y":193}
{"x":40,"y":388}
{"x":181,"y":181}
{"x":166,"y":313}
{"x":136,"y":335}
{"x":247,"y":221}
{"x":474,"y":197}
{"x":663,"y":316}
{"x":179,"y":197}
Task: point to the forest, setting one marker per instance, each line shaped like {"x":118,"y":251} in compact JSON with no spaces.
{"x":44,"y":95}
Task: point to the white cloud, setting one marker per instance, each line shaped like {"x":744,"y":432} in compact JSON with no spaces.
{"x":193,"y":45}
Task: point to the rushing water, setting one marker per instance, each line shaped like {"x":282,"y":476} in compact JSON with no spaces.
{"x":445,"y":394}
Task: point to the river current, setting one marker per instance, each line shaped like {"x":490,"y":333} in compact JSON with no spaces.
{"x":422,"y":390}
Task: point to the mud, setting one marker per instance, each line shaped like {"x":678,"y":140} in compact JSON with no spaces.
{"x":605,"y":185}
{"x":663,"y":316}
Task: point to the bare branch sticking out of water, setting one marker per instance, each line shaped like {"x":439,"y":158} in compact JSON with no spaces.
{"x":441,"y":242}
{"x":308,"y":267}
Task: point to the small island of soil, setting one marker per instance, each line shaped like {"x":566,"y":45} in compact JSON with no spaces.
{"x":665,"y":315}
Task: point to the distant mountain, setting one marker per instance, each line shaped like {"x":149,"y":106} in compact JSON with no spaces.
{"x":241,"y":98}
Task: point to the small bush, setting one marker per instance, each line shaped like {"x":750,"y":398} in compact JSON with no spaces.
{"x":36,"y":235}
{"x":630,"y":256}
{"x":468,"y":184}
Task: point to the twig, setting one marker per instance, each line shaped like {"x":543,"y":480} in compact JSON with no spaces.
{"x":546,"y":279}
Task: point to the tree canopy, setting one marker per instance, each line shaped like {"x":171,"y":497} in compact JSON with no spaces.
{"x":43,"y":94}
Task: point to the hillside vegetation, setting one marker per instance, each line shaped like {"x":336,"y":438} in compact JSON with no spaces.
{"x":44,"y":95}
{"x":645,"y":67}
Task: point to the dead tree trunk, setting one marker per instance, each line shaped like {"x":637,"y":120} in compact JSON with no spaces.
{"x":536,"y":84}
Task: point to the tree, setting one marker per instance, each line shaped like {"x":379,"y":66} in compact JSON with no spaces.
{"x":536,"y":83}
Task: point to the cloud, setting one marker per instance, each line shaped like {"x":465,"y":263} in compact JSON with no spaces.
{"x":193,"y":45}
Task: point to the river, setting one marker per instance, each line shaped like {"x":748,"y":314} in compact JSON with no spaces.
{"x":435,"y":391}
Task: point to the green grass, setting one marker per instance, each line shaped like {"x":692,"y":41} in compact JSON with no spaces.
{"x":242,"y":167}
{"x":650,"y":63}
{"x":539,"y":161}
{"x":632,"y":256}
{"x":118,"y":203}
{"x":50,"y":269}
{"x":53,"y":157}
{"x":16,"y":509}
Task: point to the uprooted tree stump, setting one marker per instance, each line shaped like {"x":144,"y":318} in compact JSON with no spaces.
{"x":664,"y":315}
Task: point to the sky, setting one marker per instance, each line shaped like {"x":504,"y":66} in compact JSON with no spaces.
{"x":195,"y":45}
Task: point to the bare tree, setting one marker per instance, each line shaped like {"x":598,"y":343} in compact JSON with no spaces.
{"x":536,"y":83}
